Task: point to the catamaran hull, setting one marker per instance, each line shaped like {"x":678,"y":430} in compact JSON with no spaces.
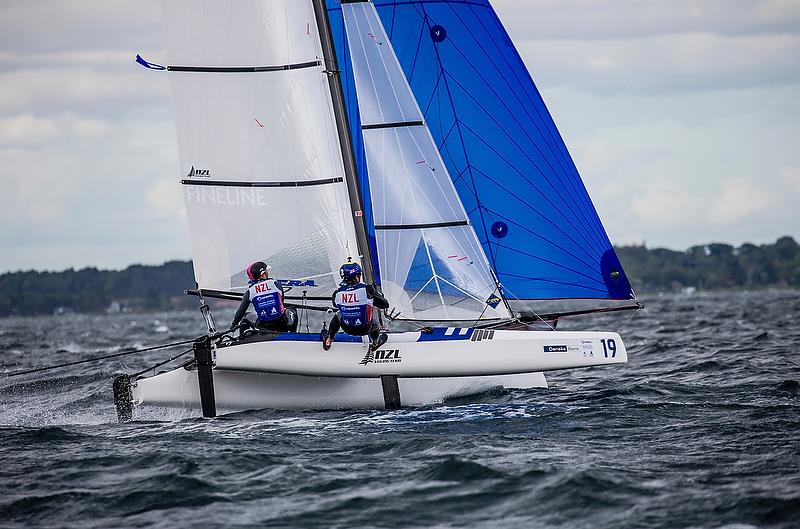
{"x":242,"y":390}
{"x":293,"y":371}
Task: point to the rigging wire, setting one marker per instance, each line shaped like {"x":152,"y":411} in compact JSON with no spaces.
{"x":216,"y":336}
{"x":628,"y":319}
{"x":97,"y":359}
{"x":551,"y":327}
{"x":143,"y":371}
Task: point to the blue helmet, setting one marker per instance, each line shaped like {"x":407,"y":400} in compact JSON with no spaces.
{"x":350,"y":272}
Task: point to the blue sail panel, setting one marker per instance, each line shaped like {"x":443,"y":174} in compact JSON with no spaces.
{"x":510,"y":165}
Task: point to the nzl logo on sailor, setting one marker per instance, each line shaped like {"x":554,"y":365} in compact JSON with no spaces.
{"x":261,"y":287}
{"x":199,"y":173}
{"x":350,"y":297}
{"x":383,"y":356}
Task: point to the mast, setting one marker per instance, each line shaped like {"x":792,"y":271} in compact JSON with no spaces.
{"x":345,"y":141}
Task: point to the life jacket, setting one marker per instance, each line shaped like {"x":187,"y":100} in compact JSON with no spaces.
{"x":267,"y":300}
{"x":355,"y":308}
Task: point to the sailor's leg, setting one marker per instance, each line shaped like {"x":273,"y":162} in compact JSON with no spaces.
{"x":290,"y":320}
{"x":374,"y":332}
{"x":376,"y":337}
{"x":328,"y":334}
{"x":333,"y":326}
{"x":246,"y":326}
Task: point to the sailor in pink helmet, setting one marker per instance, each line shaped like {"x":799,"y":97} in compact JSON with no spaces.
{"x":266,"y":297}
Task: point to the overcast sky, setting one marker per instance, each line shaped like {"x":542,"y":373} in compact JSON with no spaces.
{"x":683,"y":117}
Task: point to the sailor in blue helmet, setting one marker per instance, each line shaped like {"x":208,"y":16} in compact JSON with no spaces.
{"x":266,"y":296}
{"x":354,"y":302}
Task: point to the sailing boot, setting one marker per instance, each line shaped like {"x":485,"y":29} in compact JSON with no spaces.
{"x":382,"y":337}
{"x":324,"y":336}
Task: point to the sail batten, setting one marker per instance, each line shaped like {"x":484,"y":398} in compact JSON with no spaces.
{"x":421,"y":226}
{"x":292,"y":183}
{"x":394,"y":125}
{"x":244,"y":69}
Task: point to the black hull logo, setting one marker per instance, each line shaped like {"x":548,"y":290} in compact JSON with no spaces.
{"x":383,"y":356}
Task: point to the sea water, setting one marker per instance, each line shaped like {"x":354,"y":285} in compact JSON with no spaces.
{"x":700,"y":429}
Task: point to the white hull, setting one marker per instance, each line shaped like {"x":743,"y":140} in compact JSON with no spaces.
{"x":241,"y":390}
{"x":293,"y":371}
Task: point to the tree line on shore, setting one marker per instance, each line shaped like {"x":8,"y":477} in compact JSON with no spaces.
{"x":149,"y":288}
{"x":713,"y":266}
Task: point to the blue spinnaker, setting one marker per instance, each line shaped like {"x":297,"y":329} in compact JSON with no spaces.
{"x":510,"y":166}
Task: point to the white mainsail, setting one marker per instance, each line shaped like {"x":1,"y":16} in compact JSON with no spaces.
{"x":261,"y":163}
{"x":432,"y":265}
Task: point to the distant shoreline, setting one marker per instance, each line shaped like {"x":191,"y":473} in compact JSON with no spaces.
{"x":139,"y":288}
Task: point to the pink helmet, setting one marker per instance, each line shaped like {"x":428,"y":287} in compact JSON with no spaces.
{"x":254,"y":270}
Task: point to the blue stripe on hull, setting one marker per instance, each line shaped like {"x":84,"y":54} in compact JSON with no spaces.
{"x":306,"y":337}
{"x":446,"y":334}
{"x":438,"y":334}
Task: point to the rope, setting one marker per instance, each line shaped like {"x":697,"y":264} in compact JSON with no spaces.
{"x":524,"y":304}
{"x":142,"y":372}
{"x":99,"y":358}
{"x":628,"y":320}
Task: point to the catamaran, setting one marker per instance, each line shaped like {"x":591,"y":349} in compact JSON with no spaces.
{"x":410,"y":135}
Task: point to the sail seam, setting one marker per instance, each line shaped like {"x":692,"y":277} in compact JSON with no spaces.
{"x":294,"y":183}
{"x":244,"y":69}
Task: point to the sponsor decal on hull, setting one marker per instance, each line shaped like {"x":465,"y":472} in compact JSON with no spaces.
{"x":561,"y":348}
{"x":382,"y":356}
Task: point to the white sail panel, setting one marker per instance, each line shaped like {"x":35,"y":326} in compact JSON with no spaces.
{"x":271,"y":126}
{"x":240,"y":32}
{"x":233,"y":226}
{"x":376,"y":70}
{"x":261,"y":163}
{"x":432,"y":265}
{"x":408,"y":181}
{"x":436,"y":274}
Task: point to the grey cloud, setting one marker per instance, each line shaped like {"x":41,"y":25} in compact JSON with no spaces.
{"x":39,"y":26}
{"x":665,"y":64}
{"x":92,"y":192}
{"x":625,"y":19}
{"x":83,"y":90}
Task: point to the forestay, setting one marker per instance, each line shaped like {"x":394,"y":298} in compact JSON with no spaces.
{"x":431,"y":264}
{"x":261,"y":164}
